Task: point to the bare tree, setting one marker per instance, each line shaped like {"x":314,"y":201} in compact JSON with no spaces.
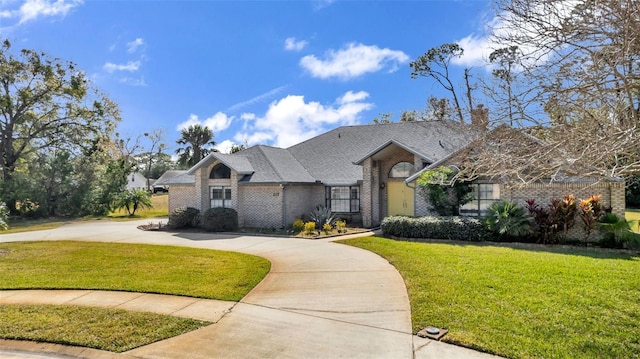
{"x":435,"y":63}
{"x":578,"y":72}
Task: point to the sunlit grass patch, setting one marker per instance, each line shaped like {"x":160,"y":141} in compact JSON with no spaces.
{"x":519,"y":303}
{"x":109,"y":329}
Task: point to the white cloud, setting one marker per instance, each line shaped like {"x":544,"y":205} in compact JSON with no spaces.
{"x":218,"y":122}
{"x":352,"y":61}
{"x":134,"y":45}
{"x":291,"y":120}
{"x":130,"y":66}
{"x":225,"y":146}
{"x":33,"y":9}
{"x":290,"y":44}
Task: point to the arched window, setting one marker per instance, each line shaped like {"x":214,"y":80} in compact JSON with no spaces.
{"x":220,"y":171}
{"x":401,"y":170}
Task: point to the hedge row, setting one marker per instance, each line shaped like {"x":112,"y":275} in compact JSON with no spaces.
{"x":453,"y":228}
{"x":212,"y":220}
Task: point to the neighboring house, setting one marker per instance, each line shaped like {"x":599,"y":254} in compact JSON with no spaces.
{"x":363,"y":173}
{"x":136,"y":180}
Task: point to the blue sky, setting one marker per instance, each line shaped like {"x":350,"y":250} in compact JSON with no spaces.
{"x":256,"y":72}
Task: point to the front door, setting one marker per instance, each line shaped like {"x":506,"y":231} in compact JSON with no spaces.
{"x":399,"y":199}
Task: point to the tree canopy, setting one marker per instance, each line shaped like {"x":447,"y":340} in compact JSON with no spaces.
{"x":197,"y":141}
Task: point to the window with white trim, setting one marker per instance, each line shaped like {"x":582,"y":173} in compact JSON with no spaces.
{"x":484,"y":195}
{"x":220,"y":196}
{"x":343,"y":199}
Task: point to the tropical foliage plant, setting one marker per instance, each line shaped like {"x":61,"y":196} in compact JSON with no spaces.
{"x":508,"y":220}
{"x":134,"y":199}
{"x":321,"y":215}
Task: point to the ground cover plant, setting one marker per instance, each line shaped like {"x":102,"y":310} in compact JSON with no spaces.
{"x":109,"y":329}
{"x":130,"y":267}
{"x":521,"y":303}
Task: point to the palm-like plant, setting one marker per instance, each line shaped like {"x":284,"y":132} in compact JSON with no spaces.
{"x":197,"y":140}
{"x":508,"y":220}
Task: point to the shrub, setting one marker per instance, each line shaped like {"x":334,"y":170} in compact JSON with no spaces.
{"x":563,"y":213}
{"x":184,"y":217}
{"x":590,"y":211}
{"x":617,"y":232}
{"x":442,"y":192}
{"x":341,"y":226}
{"x":133,"y":199}
{"x":219,"y":220}
{"x":310,"y":227}
{"x":298,"y":225}
{"x":321,"y":215}
{"x":4,"y":214}
{"x":542,"y":225}
{"x":327,"y":228}
{"x":454,"y":228}
{"x":507,"y":220}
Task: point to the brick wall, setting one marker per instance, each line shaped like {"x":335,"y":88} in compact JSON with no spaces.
{"x":369,"y":183}
{"x":182,"y":196}
{"x":612,"y":193}
{"x":261,"y":206}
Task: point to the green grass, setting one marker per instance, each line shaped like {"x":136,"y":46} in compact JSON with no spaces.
{"x":633,"y":215}
{"x":100,"y":328}
{"x":130,"y":267}
{"x":28,"y":225}
{"x":521,"y":303}
{"x":160,"y":203}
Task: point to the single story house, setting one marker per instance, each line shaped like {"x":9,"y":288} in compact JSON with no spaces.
{"x":137,"y":180}
{"x":363,"y":173}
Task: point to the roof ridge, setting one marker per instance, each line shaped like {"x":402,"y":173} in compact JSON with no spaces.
{"x":275,"y":170}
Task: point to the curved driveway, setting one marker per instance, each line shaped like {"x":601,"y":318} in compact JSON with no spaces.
{"x":320,"y":300}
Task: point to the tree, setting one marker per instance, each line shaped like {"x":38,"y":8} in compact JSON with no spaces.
{"x":133,"y":199}
{"x":4,"y":213}
{"x":45,"y":103}
{"x":385,"y":118}
{"x":435,"y":63}
{"x":196,"y":138}
{"x":153,"y":154}
{"x":237,"y":148}
{"x":578,"y":78}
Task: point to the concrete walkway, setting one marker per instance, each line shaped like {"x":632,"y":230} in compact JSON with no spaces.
{"x":320,"y":300}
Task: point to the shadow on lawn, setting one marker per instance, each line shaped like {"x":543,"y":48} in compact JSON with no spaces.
{"x":592,"y":252}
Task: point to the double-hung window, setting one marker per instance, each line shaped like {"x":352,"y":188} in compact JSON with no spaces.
{"x":484,"y":195}
{"x":220,"y":196}
{"x":343,"y":199}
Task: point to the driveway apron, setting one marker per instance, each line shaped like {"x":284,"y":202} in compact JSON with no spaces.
{"x":320,"y":299}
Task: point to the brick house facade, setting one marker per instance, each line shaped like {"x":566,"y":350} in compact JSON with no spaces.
{"x":363,"y":173}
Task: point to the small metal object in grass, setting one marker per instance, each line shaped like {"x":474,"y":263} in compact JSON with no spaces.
{"x":433,"y":332}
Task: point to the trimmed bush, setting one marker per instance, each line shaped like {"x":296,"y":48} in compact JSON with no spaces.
{"x":219,"y":220}
{"x":454,"y":228}
{"x":298,"y":225}
{"x":184,"y":217}
{"x":508,"y":221}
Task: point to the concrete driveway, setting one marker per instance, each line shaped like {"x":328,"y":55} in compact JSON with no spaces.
{"x":320,"y":300}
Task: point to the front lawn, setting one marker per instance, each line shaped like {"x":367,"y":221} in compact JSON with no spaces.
{"x":519,"y":303}
{"x":190,"y":272}
{"x":109,"y":329}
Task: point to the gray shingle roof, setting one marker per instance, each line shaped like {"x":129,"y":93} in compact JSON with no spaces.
{"x":334,"y":157}
{"x":330,"y":157}
{"x":274,"y":165}
{"x":175,"y":177}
